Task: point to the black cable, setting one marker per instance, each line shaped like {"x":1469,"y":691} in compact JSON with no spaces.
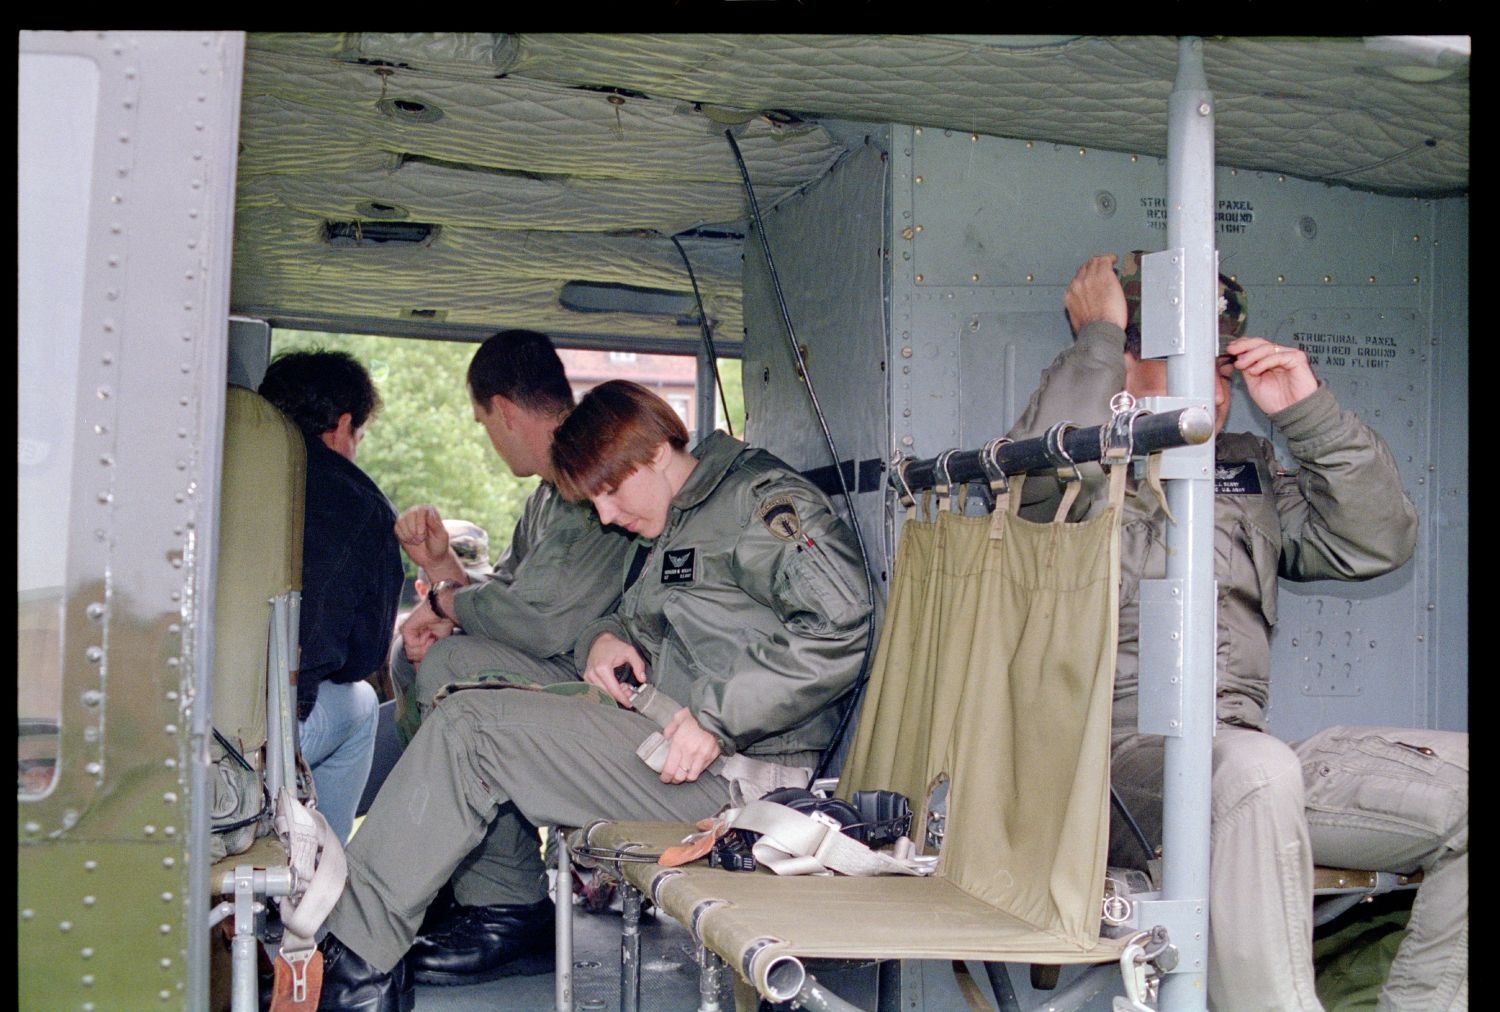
{"x":859,"y":537}
{"x":265,"y":800}
{"x":227,"y":747}
{"x":708,"y":338}
{"x":1135,"y":827}
{"x":1005,"y":991}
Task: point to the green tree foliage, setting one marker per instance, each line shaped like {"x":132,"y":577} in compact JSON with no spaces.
{"x":731,"y":375}
{"x":424,"y":446}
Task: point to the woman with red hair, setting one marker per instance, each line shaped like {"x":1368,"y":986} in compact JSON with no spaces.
{"x":744,"y":602}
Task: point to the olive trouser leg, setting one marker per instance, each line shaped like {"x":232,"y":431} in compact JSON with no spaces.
{"x":1397,"y":799}
{"x":483,"y":753}
{"x":510,"y":851}
{"x":1346,"y":797}
{"x":463,"y":658}
{"x":1260,"y":918}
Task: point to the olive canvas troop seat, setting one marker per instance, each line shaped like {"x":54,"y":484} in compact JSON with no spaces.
{"x":992,"y":683}
{"x":265,"y":842}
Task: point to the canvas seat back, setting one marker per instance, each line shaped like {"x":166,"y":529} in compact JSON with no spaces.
{"x":992,"y":683}
{"x":260,"y":560}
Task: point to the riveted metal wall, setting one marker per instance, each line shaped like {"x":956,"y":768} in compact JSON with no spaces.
{"x":110,"y":897}
{"x":986,"y":233}
{"x":828,"y":248}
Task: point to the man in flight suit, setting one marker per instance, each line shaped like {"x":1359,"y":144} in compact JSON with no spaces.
{"x":561,"y":571}
{"x":744,"y":603}
{"x":1381,"y":798}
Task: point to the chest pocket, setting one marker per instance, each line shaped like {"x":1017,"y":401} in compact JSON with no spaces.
{"x":1143,"y":556}
{"x":698,"y":641}
{"x":540,"y":574}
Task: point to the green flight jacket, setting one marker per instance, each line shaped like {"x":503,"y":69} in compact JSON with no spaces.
{"x":749,"y":608}
{"x":1341,"y":515}
{"x":560,"y":572}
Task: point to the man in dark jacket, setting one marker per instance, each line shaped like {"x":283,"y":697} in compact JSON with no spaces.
{"x":351,"y":574}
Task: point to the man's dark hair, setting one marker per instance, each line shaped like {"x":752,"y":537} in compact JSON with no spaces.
{"x":313,"y":388}
{"x":523,"y":367}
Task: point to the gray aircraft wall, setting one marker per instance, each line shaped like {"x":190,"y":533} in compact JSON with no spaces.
{"x":827,"y":247}
{"x":984,"y":234}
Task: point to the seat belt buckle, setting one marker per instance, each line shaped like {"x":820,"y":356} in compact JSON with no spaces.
{"x":297,"y":980}
{"x":827,"y":820}
{"x":833,"y":831}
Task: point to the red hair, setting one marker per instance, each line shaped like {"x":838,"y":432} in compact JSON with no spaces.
{"x":616,"y":427}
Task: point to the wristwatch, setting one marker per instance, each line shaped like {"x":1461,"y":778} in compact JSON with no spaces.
{"x":432,"y":598}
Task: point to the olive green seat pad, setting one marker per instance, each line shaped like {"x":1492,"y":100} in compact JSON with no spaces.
{"x":826,"y":917}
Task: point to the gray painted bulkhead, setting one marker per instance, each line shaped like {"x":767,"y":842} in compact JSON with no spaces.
{"x":983,"y":235}
{"x":827,"y":247}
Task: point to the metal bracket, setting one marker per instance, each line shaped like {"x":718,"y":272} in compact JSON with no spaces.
{"x":1183,"y":461}
{"x":1067,"y":470}
{"x":989,"y":460}
{"x":1186,"y":924}
{"x":1163,"y":308}
{"x":1161,"y":676}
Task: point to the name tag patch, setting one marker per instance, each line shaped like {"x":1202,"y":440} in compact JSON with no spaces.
{"x":1236,"y":478}
{"x":677,"y":565}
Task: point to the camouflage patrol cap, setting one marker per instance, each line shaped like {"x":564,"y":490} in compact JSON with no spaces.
{"x":1233,"y":303}
{"x":470,"y":543}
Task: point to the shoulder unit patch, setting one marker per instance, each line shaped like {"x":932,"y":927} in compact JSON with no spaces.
{"x":779,"y":514}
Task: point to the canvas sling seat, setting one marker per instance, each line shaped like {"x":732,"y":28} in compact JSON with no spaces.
{"x":991,"y":682}
{"x":266,"y":844}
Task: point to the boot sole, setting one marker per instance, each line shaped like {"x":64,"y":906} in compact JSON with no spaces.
{"x":521,"y":966}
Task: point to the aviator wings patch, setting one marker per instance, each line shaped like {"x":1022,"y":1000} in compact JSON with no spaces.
{"x":677,"y":567}
{"x":1238,"y":477}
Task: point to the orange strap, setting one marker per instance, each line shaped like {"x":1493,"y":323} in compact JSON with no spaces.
{"x":694,"y":845}
{"x":285,"y":997}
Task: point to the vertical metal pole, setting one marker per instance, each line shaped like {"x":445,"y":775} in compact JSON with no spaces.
{"x":277,"y":773}
{"x":705,"y":397}
{"x":630,"y":947}
{"x":244,"y":979}
{"x":710,"y":979}
{"x":292,"y":663}
{"x":1188,"y":759}
{"x":562,"y":902}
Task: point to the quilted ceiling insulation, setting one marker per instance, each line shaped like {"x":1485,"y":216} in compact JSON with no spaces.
{"x":545,"y":159}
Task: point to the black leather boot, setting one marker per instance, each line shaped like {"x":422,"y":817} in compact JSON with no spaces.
{"x":486,"y":943}
{"x":352,"y":985}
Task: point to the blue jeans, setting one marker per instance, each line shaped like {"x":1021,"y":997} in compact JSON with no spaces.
{"x":338,"y":742}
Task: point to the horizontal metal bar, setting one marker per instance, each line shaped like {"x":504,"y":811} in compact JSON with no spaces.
{"x":1183,"y":427}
